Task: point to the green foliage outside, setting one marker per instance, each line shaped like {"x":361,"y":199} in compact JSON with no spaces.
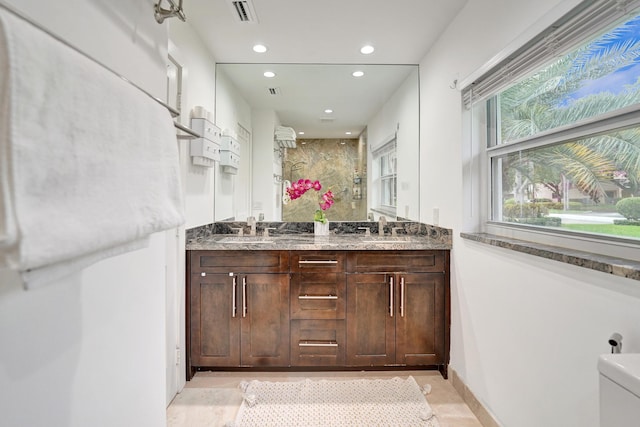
{"x":550,"y":99}
{"x":610,"y":229}
{"x":530,"y":213}
{"x":629,"y":208}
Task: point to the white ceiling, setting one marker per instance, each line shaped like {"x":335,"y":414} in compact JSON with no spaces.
{"x":320,"y":32}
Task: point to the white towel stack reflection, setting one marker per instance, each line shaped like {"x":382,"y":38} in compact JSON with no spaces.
{"x":285,"y":136}
{"x":88,"y":163}
{"x":285,"y":133}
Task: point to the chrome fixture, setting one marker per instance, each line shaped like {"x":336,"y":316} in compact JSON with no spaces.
{"x":174,"y":10}
{"x":382,"y":221}
{"x":615,"y":341}
{"x":251,"y":222}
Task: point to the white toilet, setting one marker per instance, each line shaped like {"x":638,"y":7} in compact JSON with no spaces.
{"x":619,"y":390}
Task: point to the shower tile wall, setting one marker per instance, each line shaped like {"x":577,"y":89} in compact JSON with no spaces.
{"x":335,"y":163}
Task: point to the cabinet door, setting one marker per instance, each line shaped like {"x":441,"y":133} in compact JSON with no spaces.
{"x":265,"y":320}
{"x":214,"y":325}
{"x":370,"y":319}
{"x":420,"y":319}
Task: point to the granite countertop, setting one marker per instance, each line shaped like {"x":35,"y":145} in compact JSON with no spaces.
{"x":606,"y":264}
{"x":310,"y":242}
{"x":348,"y":236}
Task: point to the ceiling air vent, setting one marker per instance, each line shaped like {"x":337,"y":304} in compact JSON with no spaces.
{"x":243,"y":10}
{"x":326,"y":119}
{"x":274,"y":91}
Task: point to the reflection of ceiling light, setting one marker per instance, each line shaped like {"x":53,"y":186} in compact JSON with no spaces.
{"x":366,"y":50}
{"x":357,"y":73}
{"x":343,"y":142}
{"x":260,"y":48}
{"x":328,"y":111}
{"x":269,"y":74}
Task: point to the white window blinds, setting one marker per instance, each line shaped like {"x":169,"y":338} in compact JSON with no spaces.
{"x":589,"y":18}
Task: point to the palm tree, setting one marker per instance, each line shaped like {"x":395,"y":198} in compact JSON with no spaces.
{"x":551,"y":98}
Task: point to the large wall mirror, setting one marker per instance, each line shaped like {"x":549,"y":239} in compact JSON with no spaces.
{"x":357,"y":132}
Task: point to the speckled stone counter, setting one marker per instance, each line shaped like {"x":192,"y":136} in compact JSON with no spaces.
{"x":615,"y":266}
{"x":299,"y":236}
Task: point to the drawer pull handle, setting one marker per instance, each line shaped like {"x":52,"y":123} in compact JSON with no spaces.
{"x":318,"y":344}
{"x":402,"y":297}
{"x":244,"y":297}
{"x":305,"y":261}
{"x":317,"y":297}
{"x":390,"y":296}
{"x":233,"y":300}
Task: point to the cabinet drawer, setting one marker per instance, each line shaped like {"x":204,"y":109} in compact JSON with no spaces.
{"x":318,"y":295}
{"x":318,"y":261}
{"x":239,"y":261}
{"x":395,"y":261}
{"x":317,"y":342}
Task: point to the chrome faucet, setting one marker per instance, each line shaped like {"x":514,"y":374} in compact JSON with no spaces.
{"x":382,"y":221}
{"x":251,"y":222}
{"x":367,"y":231}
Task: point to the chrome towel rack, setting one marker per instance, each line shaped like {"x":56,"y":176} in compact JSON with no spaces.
{"x":174,"y":113}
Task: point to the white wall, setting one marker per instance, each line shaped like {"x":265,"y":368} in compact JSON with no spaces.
{"x":231,"y":110}
{"x":90,"y":350}
{"x":199,"y":89}
{"x":526,"y":332}
{"x":399,"y":114}
{"x":265,"y":190}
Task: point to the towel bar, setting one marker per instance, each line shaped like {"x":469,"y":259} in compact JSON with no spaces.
{"x":173,"y":111}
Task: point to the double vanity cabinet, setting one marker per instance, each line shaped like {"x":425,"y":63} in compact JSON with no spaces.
{"x":317,"y":309}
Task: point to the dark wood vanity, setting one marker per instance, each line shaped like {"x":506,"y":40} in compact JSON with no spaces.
{"x":317,"y":309}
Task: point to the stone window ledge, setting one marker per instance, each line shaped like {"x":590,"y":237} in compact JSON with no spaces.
{"x":606,"y":264}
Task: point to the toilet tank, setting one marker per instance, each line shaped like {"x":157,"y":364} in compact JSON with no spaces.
{"x":619,"y":390}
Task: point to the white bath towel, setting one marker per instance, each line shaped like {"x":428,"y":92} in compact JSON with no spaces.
{"x":88,"y":163}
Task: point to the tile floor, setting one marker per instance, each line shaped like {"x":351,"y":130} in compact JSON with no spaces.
{"x":212,"y":399}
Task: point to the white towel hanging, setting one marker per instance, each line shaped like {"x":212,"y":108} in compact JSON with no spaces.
{"x":88,"y":163}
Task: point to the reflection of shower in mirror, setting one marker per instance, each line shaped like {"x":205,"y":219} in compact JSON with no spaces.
{"x":293,"y":168}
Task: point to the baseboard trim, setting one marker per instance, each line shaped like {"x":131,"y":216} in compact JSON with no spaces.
{"x":483,"y":415}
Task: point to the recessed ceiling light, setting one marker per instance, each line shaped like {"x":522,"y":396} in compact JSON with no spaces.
{"x":328,"y":111}
{"x":357,"y":73}
{"x":366,"y":50}
{"x":348,"y":133}
{"x":269,"y":74}
{"x":301,"y":132}
{"x":260,"y":48}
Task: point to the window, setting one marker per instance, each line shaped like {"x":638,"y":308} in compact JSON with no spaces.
{"x":385,"y":178}
{"x":563,"y":136}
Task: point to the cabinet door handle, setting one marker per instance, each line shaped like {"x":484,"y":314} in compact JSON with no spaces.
{"x":402,"y":297}
{"x":391,"y":296}
{"x":233,"y":299}
{"x":318,"y":344}
{"x":244,"y":297}
{"x":317,"y":297}
{"x":305,"y":261}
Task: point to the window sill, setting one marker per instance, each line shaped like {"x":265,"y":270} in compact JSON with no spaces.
{"x":606,"y":264}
